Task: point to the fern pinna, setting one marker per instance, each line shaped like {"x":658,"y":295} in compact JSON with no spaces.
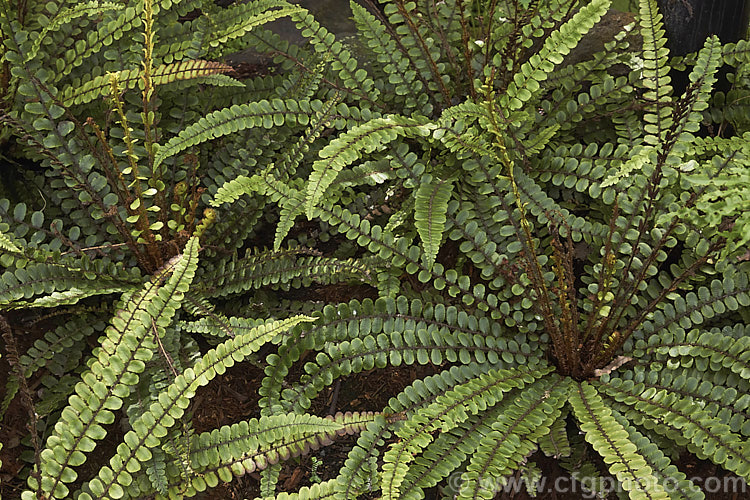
{"x":561,"y":239}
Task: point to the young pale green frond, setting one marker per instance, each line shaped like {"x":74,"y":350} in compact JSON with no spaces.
{"x":613,"y":443}
{"x":429,"y":213}
{"x":350,"y":146}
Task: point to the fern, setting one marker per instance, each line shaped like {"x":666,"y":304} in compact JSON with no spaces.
{"x":552,"y":235}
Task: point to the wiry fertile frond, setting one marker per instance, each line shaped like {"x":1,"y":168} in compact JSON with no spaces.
{"x":128,"y":343}
{"x":513,"y":437}
{"x":149,"y":428}
{"x":445,"y":413}
{"x":81,"y":93}
{"x":612,"y":442}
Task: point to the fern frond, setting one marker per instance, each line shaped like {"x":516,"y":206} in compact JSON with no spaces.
{"x":81,"y":93}
{"x":655,"y":73}
{"x":127,"y":344}
{"x":241,"y":18}
{"x":67,"y":15}
{"x":316,"y":491}
{"x":233,"y":119}
{"x":152,"y":425}
{"x":681,"y":421}
{"x":285,"y":268}
{"x":526,"y":83}
{"x":444,"y":414}
{"x":351,"y":145}
{"x":513,"y":436}
{"x":430,"y":206}
{"x":612,"y":442}
{"x":673,"y":479}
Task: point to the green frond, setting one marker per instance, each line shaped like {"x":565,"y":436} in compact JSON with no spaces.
{"x":430,"y":206}
{"x":127,"y":344}
{"x":556,"y":443}
{"x":513,"y":436}
{"x":241,"y":18}
{"x":64,"y":282}
{"x":526,"y":83}
{"x":7,"y":245}
{"x":226,"y":121}
{"x":64,"y":16}
{"x":61,"y":349}
{"x":612,"y":442}
{"x":283,"y":269}
{"x":98,"y":86}
{"x":678,"y":418}
{"x":354,"y":81}
{"x":351,"y":145}
{"x":674,"y":480}
{"x":444,"y":414}
{"x":655,"y":73}
{"x":316,"y":491}
{"x":258,"y":444}
{"x":152,"y":425}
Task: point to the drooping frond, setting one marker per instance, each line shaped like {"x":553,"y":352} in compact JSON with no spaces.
{"x":234,"y":119}
{"x":350,"y":146}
